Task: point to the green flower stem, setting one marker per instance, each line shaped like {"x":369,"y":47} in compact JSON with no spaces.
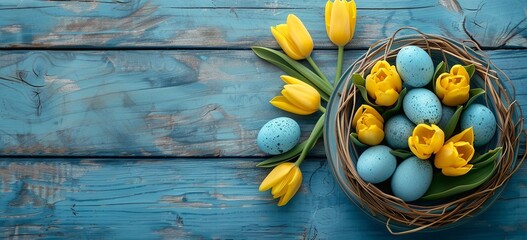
{"x":322,"y":109}
{"x":313,"y":137}
{"x":338,"y":74}
{"x":317,"y":70}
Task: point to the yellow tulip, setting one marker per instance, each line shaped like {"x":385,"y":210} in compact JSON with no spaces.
{"x":368,"y":124}
{"x":340,"y":21}
{"x":454,"y":156}
{"x":453,"y":88}
{"x":426,"y":140}
{"x":383,"y":83}
{"x":293,"y":38}
{"x":298,"y":97}
{"x":285,"y":180}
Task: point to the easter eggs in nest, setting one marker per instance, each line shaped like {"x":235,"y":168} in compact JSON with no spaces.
{"x":452,"y":195}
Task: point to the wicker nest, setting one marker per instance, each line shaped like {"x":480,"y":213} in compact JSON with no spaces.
{"x":397,"y":214}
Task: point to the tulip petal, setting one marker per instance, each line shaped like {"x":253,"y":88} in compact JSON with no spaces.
{"x":291,"y":80}
{"x":465,"y":150}
{"x":299,"y":35}
{"x":282,"y":103}
{"x":371,"y":135}
{"x":292,"y":186}
{"x":459,"y":70}
{"x":365,"y":109}
{"x":386,"y":98}
{"x":466,"y":135}
{"x":281,"y":35}
{"x":443,"y":158}
{"x":352,"y":8}
{"x":456,"y":96}
{"x":339,"y":30}
{"x":276,"y":175}
{"x":438,"y":139}
{"x":453,"y":172}
{"x":304,"y":97}
{"x":327,"y":15}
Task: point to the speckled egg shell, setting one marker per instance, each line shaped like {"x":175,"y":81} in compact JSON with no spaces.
{"x":446,"y":115}
{"x":278,"y":135}
{"x":482,"y":120}
{"x":397,"y":130}
{"x":422,"y":106}
{"x":415,"y":66}
{"x":376,"y":164}
{"x":412,"y":179}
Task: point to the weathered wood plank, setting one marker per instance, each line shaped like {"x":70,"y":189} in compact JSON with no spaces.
{"x":153,"y":103}
{"x":240,"y":24}
{"x":83,"y":198}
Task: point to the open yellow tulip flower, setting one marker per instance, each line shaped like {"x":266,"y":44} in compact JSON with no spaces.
{"x":454,"y":156}
{"x":293,"y":38}
{"x":297,"y":97}
{"x":383,"y":84}
{"x":368,"y":124}
{"x":285,"y":180}
{"x":426,"y":140}
{"x":340,"y":21}
{"x":453,"y":88}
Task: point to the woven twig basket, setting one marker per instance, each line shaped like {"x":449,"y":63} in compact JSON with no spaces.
{"x":401,"y":217}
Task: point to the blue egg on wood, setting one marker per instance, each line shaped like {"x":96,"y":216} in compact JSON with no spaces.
{"x":482,"y":121}
{"x":279,"y":135}
{"x":415,"y":66}
{"x":376,"y":164}
{"x":422,"y":106}
{"x":397,"y":130}
{"x":411,"y":179}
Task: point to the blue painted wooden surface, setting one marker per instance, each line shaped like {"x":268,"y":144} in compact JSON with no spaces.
{"x":137,"y":119}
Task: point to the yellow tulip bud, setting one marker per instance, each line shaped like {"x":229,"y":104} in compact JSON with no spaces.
{"x":293,"y":38}
{"x":340,"y":19}
{"x":426,"y":140}
{"x":285,"y":180}
{"x":368,"y":124}
{"x":453,"y":88}
{"x":298,"y":97}
{"x":383,"y":84}
{"x":454,"y":156}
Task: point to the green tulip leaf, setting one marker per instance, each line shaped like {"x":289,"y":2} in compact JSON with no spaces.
{"x":355,"y":140}
{"x":487,"y":158}
{"x":473,"y":94}
{"x":393,"y":111}
{"x":359,"y":82}
{"x":443,"y":186}
{"x":401,"y":153}
{"x":279,"y":60}
{"x":452,"y":123}
{"x":470,"y":70}
{"x":284,"y":157}
{"x":440,"y":69}
{"x":271,"y":54}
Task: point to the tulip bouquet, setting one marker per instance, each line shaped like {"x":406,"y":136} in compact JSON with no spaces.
{"x":306,"y":88}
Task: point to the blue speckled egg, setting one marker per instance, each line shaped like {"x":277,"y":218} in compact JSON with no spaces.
{"x":422,"y":106}
{"x":412,"y":179}
{"x":397,"y":130}
{"x":376,"y":164}
{"x":415,"y":66}
{"x":278,"y":135}
{"x":482,"y":120}
{"x":446,"y":114}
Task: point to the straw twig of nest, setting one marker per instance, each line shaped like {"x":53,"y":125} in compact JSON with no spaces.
{"x":499,"y":97}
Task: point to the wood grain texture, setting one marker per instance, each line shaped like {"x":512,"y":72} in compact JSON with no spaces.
{"x":152,"y":103}
{"x":240,"y":24}
{"x":171,"y":199}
